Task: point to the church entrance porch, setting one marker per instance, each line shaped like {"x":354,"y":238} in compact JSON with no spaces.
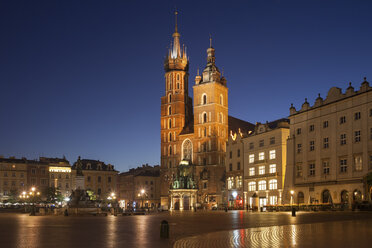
{"x":183,"y":199}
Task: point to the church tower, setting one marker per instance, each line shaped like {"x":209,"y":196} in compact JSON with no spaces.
{"x":210,"y":129}
{"x":176,"y":111}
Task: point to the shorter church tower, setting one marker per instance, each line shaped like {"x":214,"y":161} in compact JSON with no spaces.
{"x":210,"y":130}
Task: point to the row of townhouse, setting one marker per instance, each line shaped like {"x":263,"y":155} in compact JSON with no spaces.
{"x":21,"y":175}
{"x":319,"y":154}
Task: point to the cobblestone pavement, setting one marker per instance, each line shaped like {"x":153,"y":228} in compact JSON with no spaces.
{"x":329,"y":234}
{"x":21,"y":230}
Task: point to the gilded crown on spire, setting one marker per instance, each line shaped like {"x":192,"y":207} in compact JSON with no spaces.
{"x":176,"y":57}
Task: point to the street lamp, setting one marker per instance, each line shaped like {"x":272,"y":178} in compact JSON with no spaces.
{"x":292,"y":192}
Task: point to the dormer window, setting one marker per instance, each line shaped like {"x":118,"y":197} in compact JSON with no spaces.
{"x":99,"y":167}
{"x":89,"y":166}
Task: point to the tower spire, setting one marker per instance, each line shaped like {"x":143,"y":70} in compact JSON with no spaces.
{"x":210,"y":40}
{"x":175,"y":17}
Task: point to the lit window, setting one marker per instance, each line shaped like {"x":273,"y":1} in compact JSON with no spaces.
{"x":229,"y":183}
{"x":358,"y":163}
{"x":273,"y":184}
{"x":252,"y":186}
{"x":261,"y":170}
{"x":272,"y":168}
{"x":251,"y":171}
{"x":251,"y":158}
{"x":261,"y":156}
{"x":262,"y":185}
{"x":272,"y":154}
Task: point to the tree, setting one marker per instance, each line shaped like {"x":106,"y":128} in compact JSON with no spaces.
{"x":53,"y":195}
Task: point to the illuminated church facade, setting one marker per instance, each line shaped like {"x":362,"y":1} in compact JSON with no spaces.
{"x":194,"y":132}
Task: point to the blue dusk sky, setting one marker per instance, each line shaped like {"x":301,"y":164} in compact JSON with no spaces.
{"x":85,"y":77}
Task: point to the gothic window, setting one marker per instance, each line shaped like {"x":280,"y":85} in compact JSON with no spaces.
{"x":205,"y":132}
{"x":178,"y":77}
{"x":178,"y":85}
{"x":221,"y":99}
{"x":170,"y":123}
{"x":169,"y":98}
{"x":187,"y":150}
{"x":205,"y":119}
{"x":169,"y":110}
{"x":204,"y":99}
{"x":170,"y":136}
{"x":170,"y":150}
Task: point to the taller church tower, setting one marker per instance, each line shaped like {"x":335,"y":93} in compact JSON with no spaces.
{"x":176,"y":111}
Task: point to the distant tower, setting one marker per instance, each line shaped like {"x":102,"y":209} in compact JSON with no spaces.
{"x":176,"y":110}
{"x":210,"y":128}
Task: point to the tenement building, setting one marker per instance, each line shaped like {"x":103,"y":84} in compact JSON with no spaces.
{"x":330,"y":148}
{"x":234,"y":194}
{"x":60,"y":175}
{"x":265,"y":162}
{"x":13,"y":177}
{"x":140,"y":187}
{"x":194,"y":134}
{"x":98,"y":176}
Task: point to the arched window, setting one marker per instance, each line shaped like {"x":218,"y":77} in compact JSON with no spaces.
{"x":205,"y":119}
{"x":262,"y":185}
{"x":169,"y":98}
{"x":187,"y":150}
{"x":357,"y":195}
{"x":170,"y":136}
{"x":170,"y":150}
{"x":326,"y":196}
{"x":178,"y":77}
{"x":205,"y":132}
{"x":204,"y":99}
{"x":221,"y":99}
{"x":300,"y":198}
{"x":344,"y":197}
{"x":178,"y":85}
{"x":170,"y":123}
{"x":273,"y":184}
{"x":169,"y":110}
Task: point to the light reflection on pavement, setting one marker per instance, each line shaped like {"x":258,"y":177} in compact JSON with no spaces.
{"x":21,"y":230}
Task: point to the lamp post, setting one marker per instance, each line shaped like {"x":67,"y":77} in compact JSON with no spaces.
{"x":292,"y":192}
{"x":32,"y":194}
{"x":142,"y":193}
